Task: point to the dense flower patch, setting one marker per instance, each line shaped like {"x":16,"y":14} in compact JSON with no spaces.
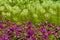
{"x":27,"y":31}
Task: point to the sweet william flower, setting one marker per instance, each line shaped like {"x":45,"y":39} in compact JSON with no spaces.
{"x":1,"y":25}
{"x":8,"y":29}
{"x":23,"y":38}
{"x":43,"y":29}
{"x":50,"y":25}
{"x":20,"y":29}
{"x":28,"y":27}
{"x":14,"y":27}
{"x":57,"y":28}
{"x":30,"y":33}
{"x":4,"y":31}
{"x":10,"y":34}
{"x":6,"y":38}
{"x":9,"y":22}
{"x":28,"y":23}
{"x":32,"y":38}
{"x":44,"y":35}
{"x":17,"y":34}
{"x":1,"y":37}
{"x":47,"y":38}
{"x":40,"y":24}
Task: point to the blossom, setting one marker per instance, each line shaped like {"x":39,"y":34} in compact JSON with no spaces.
{"x":1,"y":37}
{"x":9,"y":29}
{"x":32,"y":38}
{"x":30,"y":32}
{"x":57,"y":28}
{"x":14,"y":27}
{"x":20,"y":29}
{"x":43,"y":29}
{"x":45,"y":36}
{"x":50,"y":25}
{"x":28,"y":27}
{"x":6,"y":38}
{"x":9,"y":22}
{"x":28,"y":23}
{"x":23,"y":38}
{"x":17,"y":34}
{"x":1,"y":25}
{"x":10,"y":34}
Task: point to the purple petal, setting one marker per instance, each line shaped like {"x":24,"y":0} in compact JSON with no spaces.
{"x":43,"y":29}
{"x":50,"y":25}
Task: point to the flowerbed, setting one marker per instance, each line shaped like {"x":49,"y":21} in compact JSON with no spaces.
{"x":28,"y":31}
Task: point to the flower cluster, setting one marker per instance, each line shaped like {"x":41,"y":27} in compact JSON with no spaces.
{"x":27,"y":31}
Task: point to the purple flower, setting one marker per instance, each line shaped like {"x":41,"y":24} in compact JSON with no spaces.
{"x":57,"y":28}
{"x":56,"y":35}
{"x":9,"y":29}
{"x":1,"y":25}
{"x":28,"y":27}
{"x":4,"y":31}
{"x":40,"y":24}
{"x":32,"y":38}
{"x":20,"y":29}
{"x":30,"y":32}
{"x":9,"y":22}
{"x":6,"y":38}
{"x":23,"y":38}
{"x":14,"y":27}
{"x":17,"y":34}
{"x":43,"y":29}
{"x":50,"y":25}
{"x":45,"y":36}
{"x":28,"y":23}
{"x":10,"y":34}
{"x":1,"y":37}
{"x":51,"y":32}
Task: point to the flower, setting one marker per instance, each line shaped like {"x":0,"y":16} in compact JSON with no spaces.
{"x":9,"y":29}
{"x":6,"y":38}
{"x":10,"y":34}
{"x":40,"y":24}
{"x":17,"y":34}
{"x":28,"y":23}
{"x":23,"y":38}
{"x":1,"y":25}
{"x":9,"y":22}
{"x":4,"y":31}
{"x":30,"y":32}
{"x":1,"y":37}
{"x":28,"y":27}
{"x":32,"y":38}
{"x":43,"y":29}
{"x":57,"y":28}
{"x":20,"y":29}
{"x":14,"y":27}
{"x":45,"y":36}
{"x":50,"y":25}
